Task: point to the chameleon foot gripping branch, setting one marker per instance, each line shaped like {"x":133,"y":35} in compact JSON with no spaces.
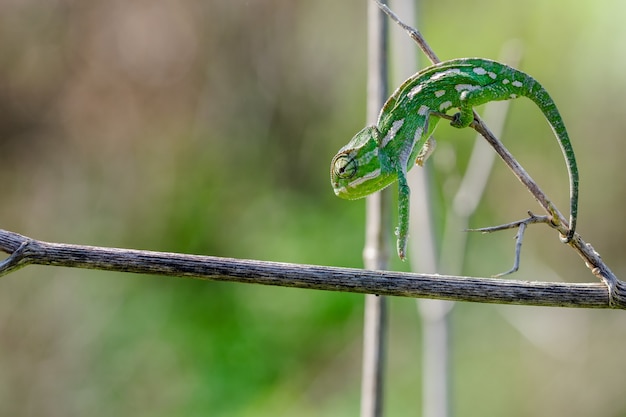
{"x":379,"y":155}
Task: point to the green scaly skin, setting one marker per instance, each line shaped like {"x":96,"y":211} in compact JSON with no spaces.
{"x":379,"y":155}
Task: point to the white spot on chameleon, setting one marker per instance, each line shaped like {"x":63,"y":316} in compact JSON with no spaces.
{"x":513,"y":96}
{"x":423,"y":110}
{"x":413,"y":92}
{"x":493,"y":75}
{"x":440,"y":93}
{"x":392,"y":132}
{"x":442,"y":74}
{"x":516,"y":84}
{"x":418,"y":133}
{"x":445,"y":105}
{"x":479,"y":70}
{"x":505,"y":81}
{"x":466,"y":87}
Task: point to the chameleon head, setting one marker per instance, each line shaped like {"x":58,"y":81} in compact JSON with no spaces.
{"x":356,"y":170}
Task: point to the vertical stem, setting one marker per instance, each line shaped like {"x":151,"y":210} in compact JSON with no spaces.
{"x":433,"y":313}
{"x":377,"y":247}
{"x":378,"y":222}
{"x":374,"y":332}
{"x":424,"y":247}
{"x":436,"y":365}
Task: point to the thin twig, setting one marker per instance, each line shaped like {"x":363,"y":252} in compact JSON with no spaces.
{"x":413,"y":33}
{"x":26,"y":251}
{"x":531,"y":219}
{"x":519,"y":237}
{"x":521,"y":225}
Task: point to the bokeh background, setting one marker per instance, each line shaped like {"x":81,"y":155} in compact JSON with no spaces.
{"x":208,"y":127}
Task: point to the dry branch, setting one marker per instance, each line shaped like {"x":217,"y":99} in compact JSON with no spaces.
{"x":26,"y":251}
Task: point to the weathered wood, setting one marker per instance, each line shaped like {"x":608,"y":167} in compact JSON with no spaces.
{"x":26,"y":251}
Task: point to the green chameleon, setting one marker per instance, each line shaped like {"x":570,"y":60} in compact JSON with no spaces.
{"x":381,"y":154}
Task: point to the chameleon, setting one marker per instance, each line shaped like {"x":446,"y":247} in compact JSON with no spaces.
{"x":381,"y":154}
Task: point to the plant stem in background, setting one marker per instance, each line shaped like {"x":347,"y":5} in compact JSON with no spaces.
{"x":378,"y":222}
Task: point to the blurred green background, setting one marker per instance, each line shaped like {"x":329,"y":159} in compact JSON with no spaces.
{"x":208,"y":128}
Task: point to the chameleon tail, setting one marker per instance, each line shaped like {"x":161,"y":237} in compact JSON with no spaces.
{"x":542,"y":99}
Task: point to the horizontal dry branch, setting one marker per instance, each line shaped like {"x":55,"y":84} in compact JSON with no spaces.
{"x":26,"y":251}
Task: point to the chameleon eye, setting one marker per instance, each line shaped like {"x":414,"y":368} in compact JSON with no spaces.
{"x":345,"y":167}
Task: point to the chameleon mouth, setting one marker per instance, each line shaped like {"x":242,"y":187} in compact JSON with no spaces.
{"x":341,"y":191}
{"x":345,"y":192}
{"x":355,"y":189}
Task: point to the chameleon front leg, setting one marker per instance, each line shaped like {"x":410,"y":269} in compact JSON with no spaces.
{"x":402,"y":232}
{"x":424,"y":145}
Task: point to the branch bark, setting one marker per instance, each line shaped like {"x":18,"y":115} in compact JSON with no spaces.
{"x":26,"y":251}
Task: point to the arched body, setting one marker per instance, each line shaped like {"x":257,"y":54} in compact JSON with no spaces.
{"x":379,"y":155}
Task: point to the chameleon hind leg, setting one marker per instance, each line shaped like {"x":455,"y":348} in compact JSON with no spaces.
{"x":465,"y":116}
{"x":468,"y":99}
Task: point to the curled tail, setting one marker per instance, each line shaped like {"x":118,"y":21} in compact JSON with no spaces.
{"x":542,"y":99}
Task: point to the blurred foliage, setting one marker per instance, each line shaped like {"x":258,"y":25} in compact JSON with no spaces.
{"x":208,"y":127}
